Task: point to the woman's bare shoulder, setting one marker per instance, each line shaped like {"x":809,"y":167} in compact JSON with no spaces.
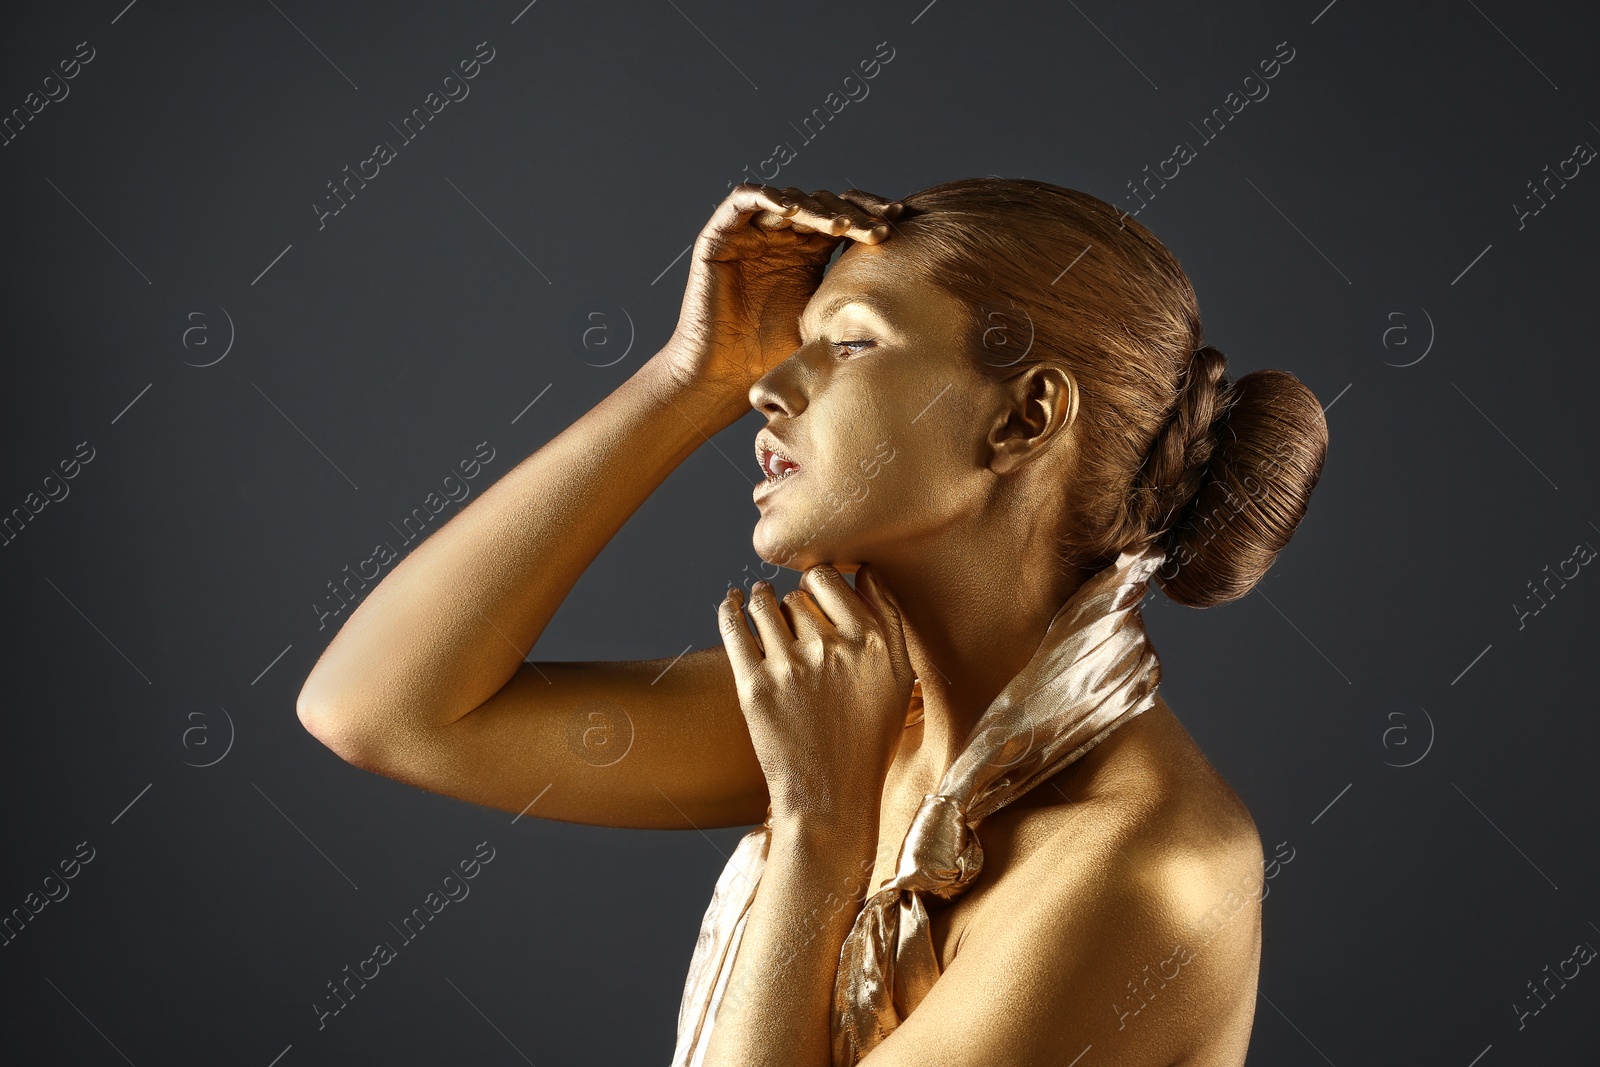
{"x":1146,"y":787}
{"x":1129,"y":916}
{"x":1185,"y":835}
{"x":1156,"y":829}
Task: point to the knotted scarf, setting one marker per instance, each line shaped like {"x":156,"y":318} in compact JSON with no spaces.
{"x":1093,"y":671}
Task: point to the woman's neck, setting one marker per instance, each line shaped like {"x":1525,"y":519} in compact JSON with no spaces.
{"x":974,"y":615}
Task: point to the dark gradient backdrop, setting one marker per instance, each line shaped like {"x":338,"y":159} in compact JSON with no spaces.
{"x":248,"y":393}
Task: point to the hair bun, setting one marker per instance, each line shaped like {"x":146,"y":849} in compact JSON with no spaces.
{"x":1214,"y":472}
{"x":1262,"y":460}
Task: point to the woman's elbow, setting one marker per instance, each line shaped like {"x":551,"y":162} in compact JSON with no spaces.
{"x":344,"y":733}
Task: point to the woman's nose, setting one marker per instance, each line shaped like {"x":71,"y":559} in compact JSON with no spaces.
{"x":781,"y":391}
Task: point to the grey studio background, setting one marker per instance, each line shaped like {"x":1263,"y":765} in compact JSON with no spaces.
{"x":251,"y":390}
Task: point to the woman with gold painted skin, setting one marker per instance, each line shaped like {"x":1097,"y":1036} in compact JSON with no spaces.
{"x":998,"y":412}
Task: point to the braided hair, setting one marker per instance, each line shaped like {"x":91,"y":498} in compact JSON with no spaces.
{"x":1217,"y":472}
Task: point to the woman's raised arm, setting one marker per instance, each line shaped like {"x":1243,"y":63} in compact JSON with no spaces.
{"x":426,"y":681}
{"x":448,"y":627}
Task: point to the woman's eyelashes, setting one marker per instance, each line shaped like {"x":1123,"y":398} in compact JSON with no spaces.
{"x":853,"y":347}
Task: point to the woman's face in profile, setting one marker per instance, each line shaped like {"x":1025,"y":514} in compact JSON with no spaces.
{"x":883,"y":416}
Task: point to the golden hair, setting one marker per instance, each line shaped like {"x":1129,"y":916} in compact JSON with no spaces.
{"x":1217,"y":472}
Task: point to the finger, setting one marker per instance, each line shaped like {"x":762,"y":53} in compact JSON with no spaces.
{"x":889,"y":210}
{"x":805,"y":616}
{"x":875,"y":204}
{"x":803,"y":223}
{"x":872,"y":589}
{"x":850,"y":219}
{"x":822,"y":212}
{"x":868,"y":227}
{"x":748,"y":199}
{"x":842,"y":606}
{"x":809,"y":217}
{"x":772,"y":627}
{"x":743,"y":652}
{"x":889,"y":608}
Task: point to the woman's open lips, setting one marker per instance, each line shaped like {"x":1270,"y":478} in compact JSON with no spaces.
{"x":775,"y":465}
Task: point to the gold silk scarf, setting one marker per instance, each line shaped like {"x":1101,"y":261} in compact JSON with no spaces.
{"x":1094,"y":670}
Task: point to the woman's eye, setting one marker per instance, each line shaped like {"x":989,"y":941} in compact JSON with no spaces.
{"x":851,"y":346}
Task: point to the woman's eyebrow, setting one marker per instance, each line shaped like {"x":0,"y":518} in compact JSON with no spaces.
{"x":839,"y":303}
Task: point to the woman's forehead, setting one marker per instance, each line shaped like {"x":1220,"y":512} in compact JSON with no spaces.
{"x":873,"y":276}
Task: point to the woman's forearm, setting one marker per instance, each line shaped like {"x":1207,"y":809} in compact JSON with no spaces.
{"x":449,"y":625}
{"x":777,"y":1006}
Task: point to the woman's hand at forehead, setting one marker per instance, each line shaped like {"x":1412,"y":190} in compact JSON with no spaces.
{"x":853,"y":214}
{"x":754,"y":267}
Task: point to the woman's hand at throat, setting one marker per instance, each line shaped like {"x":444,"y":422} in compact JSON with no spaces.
{"x":824,"y":683}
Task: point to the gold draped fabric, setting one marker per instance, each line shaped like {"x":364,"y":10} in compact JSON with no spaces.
{"x":1094,"y":670}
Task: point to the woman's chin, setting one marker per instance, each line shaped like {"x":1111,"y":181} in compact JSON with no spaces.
{"x":777,"y":547}
{"x":790,"y":559}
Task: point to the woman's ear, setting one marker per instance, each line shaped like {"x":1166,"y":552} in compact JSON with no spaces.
{"x":1038,"y":407}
